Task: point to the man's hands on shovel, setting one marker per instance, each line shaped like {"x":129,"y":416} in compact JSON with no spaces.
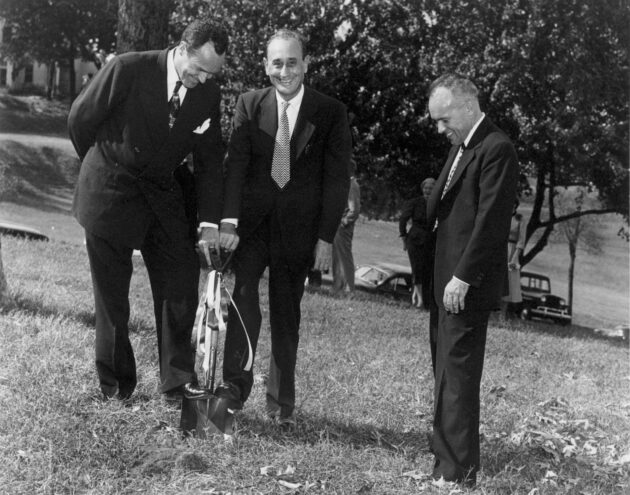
{"x":211,"y":238}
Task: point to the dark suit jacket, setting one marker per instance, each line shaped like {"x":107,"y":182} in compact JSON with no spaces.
{"x":119,"y":128}
{"x":416,"y":210}
{"x":311,"y":204}
{"x":474,"y":217}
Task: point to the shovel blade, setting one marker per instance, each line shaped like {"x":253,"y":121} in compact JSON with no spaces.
{"x":207,"y":417}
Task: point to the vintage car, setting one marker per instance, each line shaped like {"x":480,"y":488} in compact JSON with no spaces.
{"x":21,"y":230}
{"x":539,"y":302}
{"x":385,"y":278}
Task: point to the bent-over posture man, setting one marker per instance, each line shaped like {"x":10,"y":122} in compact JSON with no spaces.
{"x":470,"y":207}
{"x":140,"y":116}
{"x":287,"y":170}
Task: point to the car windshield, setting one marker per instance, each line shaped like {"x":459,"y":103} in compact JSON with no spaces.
{"x":371,"y":275}
{"x":536,"y":283}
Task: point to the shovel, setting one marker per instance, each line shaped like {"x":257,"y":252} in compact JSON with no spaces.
{"x":212,"y":416}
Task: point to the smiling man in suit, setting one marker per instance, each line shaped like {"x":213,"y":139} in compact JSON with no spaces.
{"x":287,"y":173}
{"x":140,"y":116}
{"x":470,"y":208}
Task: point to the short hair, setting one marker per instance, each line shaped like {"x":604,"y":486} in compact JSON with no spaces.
{"x":201,"y":31}
{"x":422,"y":184}
{"x":458,"y":84}
{"x":287,"y":34}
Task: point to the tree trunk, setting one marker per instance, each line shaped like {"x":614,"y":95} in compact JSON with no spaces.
{"x":572,"y":252}
{"x":50,"y":80}
{"x":143,"y":24}
{"x":72,"y":74}
{"x":5,"y":297}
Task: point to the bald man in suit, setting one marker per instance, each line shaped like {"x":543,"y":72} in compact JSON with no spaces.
{"x":470,"y":209}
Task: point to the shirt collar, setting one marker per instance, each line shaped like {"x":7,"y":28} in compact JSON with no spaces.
{"x":472,"y":131}
{"x":295,"y":102}
{"x":172,"y":77}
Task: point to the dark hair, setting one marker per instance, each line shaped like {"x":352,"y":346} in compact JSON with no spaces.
{"x":458,"y":84}
{"x":287,"y":34}
{"x":201,"y":31}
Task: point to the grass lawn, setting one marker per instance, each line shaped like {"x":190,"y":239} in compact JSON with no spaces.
{"x":555,"y":408}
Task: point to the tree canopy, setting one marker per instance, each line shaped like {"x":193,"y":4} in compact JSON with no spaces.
{"x":57,"y":31}
{"x":553,"y":76}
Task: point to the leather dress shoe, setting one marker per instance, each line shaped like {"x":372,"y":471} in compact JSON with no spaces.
{"x":190,"y":391}
{"x":230,"y":393}
{"x":285,"y":422}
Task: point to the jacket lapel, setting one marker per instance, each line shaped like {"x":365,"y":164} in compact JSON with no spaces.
{"x":268,"y":114}
{"x":485,"y":127}
{"x":436,"y":194}
{"x":304,"y":128}
{"x":152,"y":95}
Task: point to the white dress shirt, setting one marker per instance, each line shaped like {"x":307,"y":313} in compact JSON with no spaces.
{"x":172,"y":77}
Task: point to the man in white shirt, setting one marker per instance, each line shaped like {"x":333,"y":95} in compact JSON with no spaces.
{"x":287,"y":186}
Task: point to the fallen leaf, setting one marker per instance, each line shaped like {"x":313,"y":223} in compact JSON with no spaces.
{"x":292,"y":486}
{"x":265,"y":470}
{"x":416,"y":475}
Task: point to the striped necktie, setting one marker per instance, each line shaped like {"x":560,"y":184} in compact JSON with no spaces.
{"x":281,"y":163}
{"x":451,"y":172}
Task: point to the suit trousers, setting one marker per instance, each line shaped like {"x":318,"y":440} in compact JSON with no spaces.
{"x":457,"y":349}
{"x":286,"y":286}
{"x":342,"y":259}
{"x":173,"y":269}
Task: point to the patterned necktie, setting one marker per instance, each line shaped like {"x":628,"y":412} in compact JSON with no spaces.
{"x":451,"y":172}
{"x":281,"y":164}
{"x":173,"y":105}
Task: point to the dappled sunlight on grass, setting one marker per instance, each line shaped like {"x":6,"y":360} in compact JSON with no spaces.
{"x":555,"y":406}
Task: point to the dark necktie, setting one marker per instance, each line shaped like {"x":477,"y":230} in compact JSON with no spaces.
{"x":173,"y":105}
{"x":281,"y":163}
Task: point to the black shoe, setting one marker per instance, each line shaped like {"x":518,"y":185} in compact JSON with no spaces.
{"x":231,"y":393}
{"x":190,"y":391}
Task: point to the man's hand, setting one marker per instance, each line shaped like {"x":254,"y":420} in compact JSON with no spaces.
{"x":228,"y":238}
{"x":416,"y":297}
{"x":454,"y":295}
{"x":208,"y":239}
{"x":323,"y":256}
{"x":404,"y":241}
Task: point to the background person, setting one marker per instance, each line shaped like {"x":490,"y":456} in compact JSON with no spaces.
{"x":287,"y":177}
{"x":419,"y":243}
{"x":342,"y":260}
{"x":470,"y":208}
{"x":132,"y":126}
{"x":516,"y":244}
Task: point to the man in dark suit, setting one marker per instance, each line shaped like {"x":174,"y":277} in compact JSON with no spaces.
{"x":470,"y":207}
{"x":140,"y":116}
{"x":287,"y":168}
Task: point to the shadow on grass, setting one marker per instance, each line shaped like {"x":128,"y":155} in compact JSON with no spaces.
{"x":568,"y":331}
{"x":312,"y":429}
{"x":36,"y":307}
